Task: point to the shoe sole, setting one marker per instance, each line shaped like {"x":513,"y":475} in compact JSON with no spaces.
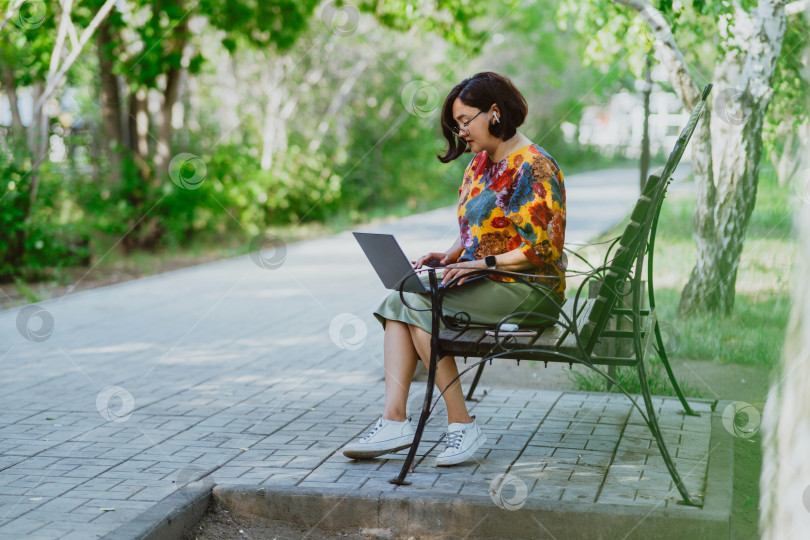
{"x":457,"y":459}
{"x":369,"y":454}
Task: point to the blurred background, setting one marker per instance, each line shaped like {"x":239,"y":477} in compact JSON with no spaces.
{"x":186,"y":127}
{"x":141,"y":136}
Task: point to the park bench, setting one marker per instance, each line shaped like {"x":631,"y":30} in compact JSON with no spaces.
{"x":613,"y":291}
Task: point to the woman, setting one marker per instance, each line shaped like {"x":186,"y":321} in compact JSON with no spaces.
{"x":511,"y":214}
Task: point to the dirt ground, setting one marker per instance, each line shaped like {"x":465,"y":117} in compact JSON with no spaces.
{"x":219,"y":524}
{"x":82,"y":279}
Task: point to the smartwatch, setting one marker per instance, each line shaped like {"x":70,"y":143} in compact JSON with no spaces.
{"x":490,"y":261}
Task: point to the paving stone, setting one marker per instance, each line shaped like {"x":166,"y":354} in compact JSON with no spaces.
{"x":20,"y":526}
{"x":238,"y":381}
{"x":574,"y":495}
{"x":60,"y":505}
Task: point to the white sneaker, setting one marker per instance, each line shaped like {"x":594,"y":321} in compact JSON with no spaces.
{"x":462,"y":442}
{"x":385,"y":437}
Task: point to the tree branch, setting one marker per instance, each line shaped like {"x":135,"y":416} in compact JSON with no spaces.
{"x":64,"y":21}
{"x":14,"y":6}
{"x":54,"y":81}
{"x":671,"y":56}
{"x":768,"y":33}
{"x":11,"y":90}
{"x":796,"y":7}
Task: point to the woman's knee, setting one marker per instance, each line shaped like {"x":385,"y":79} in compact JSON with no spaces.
{"x":396,"y":326}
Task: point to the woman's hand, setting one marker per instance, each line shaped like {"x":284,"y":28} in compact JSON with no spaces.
{"x":453,"y":271}
{"x":432,"y":259}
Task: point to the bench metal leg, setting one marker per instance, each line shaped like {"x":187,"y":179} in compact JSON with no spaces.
{"x":662,"y":353}
{"x":423,"y":418}
{"x":431,"y":381}
{"x":478,"y":373}
{"x":656,"y":431}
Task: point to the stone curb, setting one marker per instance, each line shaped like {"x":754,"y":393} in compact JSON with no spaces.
{"x":405,"y":513}
{"x":170,"y":519}
{"x":474,"y":517}
{"x":720,"y":470}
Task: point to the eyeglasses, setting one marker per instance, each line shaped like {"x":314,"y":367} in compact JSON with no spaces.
{"x":457,"y":129}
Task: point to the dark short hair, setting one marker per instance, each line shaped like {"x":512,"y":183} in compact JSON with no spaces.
{"x":481,"y":91}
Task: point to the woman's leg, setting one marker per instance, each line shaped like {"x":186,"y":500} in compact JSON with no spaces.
{"x":446,"y":371}
{"x":400,"y":363}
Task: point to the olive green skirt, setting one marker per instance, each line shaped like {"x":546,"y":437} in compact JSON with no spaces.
{"x":486,"y":301}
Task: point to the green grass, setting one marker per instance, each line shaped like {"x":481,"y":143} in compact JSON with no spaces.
{"x":754,"y":332}
{"x":590,"y":381}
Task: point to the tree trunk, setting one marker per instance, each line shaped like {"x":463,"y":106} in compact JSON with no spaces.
{"x":785,"y":476}
{"x":337,"y":103}
{"x":139,"y":123}
{"x":110,"y":103}
{"x":723,"y":209}
{"x":37,"y":142}
{"x":790,"y":160}
{"x":164,"y":136}
{"x":645,"y":134}
{"x":274,"y":134}
{"x":721,"y":220}
{"x":11,"y":91}
{"x":171,"y":94}
{"x":138,"y":130}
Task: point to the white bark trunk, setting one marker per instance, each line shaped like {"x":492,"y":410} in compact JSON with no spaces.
{"x":740,"y":106}
{"x":280,"y":106}
{"x":338,"y":102}
{"x":38,"y":130}
{"x":55,"y":80}
{"x":785,"y":477}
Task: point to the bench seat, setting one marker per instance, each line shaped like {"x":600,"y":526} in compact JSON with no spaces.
{"x":476,"y":343}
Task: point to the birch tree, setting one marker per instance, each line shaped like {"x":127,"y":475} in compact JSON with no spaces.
{"x":785,"y":476}
{"x":727,"y":145}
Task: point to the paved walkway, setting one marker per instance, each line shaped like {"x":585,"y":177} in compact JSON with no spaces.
{"x":113,"y":397}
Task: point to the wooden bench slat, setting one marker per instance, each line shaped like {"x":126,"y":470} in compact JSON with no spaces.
{"x":475,"y":342}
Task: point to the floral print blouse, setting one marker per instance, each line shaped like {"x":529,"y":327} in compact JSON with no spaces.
{"x":517,"y":202}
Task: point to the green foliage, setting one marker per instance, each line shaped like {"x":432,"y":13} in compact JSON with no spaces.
{"x":451,"y":19}
{"x":35,"y":242}
{"x":695,"y":28}
{"x":791,"y":84}
{"x":376,"y":154}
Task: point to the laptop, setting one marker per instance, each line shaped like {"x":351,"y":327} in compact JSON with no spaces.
{"x":391,"y":264}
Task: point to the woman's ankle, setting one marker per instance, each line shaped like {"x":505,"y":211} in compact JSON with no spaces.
{"x":394,"y":416}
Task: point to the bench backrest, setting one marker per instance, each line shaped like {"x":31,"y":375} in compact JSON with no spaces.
{"x":634,"y":239}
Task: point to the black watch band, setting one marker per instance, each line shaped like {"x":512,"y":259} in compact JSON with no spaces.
{"x":490,"y":261}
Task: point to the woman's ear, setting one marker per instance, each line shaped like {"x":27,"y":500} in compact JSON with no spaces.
{"x":496,"y":113}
